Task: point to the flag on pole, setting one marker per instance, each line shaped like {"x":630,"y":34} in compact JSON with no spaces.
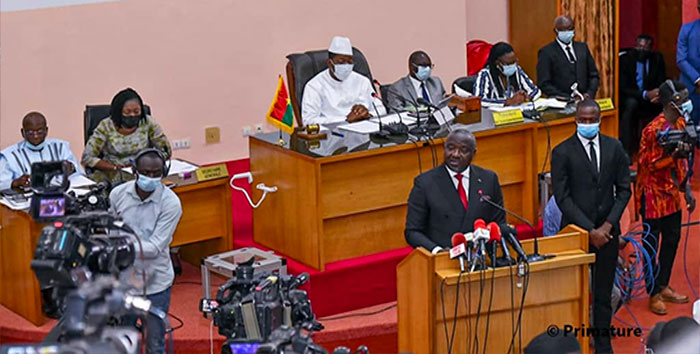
{"x":281,"y":113}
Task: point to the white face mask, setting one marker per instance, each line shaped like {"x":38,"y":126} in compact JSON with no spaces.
{"x":342,"y":71}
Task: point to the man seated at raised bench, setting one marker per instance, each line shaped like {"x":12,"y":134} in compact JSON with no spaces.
{"x":447,"y":199}
{"x":418,"y":83}
{"x":16,"y":160}
{"x":338,"y":93}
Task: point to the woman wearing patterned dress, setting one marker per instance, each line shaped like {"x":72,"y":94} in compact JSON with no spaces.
{"x":119,"y":138}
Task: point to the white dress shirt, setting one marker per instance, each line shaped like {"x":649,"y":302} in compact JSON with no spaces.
{"x":327,"y":100}
{"x":16,"y":160}
{"x":596,"y":146}
{"x":455,"y":181}
{"x":564,"y":46}
{"x":416,"y":86}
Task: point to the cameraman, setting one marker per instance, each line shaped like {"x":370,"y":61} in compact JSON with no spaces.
{"x":661,"y":178}
{"x":153,"y":211}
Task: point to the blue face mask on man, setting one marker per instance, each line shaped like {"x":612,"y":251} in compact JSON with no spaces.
{"x":565,"y":36}
{"x":147,"y":184}
{"x":588,"y":131}
{"x":423,"y":73}
{"x":509,"y":70}
{"x":33,"y":147}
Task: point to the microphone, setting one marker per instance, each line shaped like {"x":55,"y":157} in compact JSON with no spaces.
{"x":536,"y":256}
{"x":508,"y":235}
{"x":496,"y":235}
{"x":458,"y":249}
{"x":481,"y":235}
{"x":381,"y":131}
{"x":575,"y":92}
{"x":425,"y":102}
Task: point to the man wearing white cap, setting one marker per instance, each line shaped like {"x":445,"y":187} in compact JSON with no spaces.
{"x":338,"y":93}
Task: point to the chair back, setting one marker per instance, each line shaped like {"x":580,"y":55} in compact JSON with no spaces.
{"x":94,"y":114}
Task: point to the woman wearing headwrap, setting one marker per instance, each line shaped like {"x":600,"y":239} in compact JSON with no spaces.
{"x":117,"y":140}
{"x":502,"y":80}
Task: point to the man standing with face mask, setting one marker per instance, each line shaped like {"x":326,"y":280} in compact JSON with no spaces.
{"x":418,"y":83}
{"x":153,"y":212}
{"x":338,"y":93}
{"x":591,"y":183}
{"x":661,"y":179}
{"x":564,"y":62}
{"x":16,"y":160}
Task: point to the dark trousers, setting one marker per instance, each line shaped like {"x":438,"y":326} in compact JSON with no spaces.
{"x":155,"y":340}
{"x":634,"y":115}
{"x":668,"y":229}
{"x":603,"y":279}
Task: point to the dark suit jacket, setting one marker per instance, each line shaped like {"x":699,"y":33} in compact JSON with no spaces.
{"x":587,"y":198}
{"x":656,"y":74}
{"x":555,"y":74}
{"x":435,"y":211}
{"x":403,"y":90}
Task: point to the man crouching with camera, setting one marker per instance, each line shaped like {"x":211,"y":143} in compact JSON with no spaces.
{"x":152,"y":211}
{"x":662,"y":176}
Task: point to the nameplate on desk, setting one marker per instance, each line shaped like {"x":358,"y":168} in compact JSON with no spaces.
{"x":212,"y":172}
{"x":605,"y":104}
{"x":508,"y":117}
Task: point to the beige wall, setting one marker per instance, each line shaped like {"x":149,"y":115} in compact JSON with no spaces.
{"x":210,"y":62}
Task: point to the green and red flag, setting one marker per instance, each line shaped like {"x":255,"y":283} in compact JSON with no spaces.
{"x":281,"y":113}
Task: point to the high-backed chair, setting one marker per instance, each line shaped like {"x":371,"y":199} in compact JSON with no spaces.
{"x":94,"y":114}
{"x":466,"y":83}
{"x":301,"y":67}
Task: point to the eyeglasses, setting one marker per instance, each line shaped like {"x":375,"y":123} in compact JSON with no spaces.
{"x":432,"y":66}
{"x":40,"y":132}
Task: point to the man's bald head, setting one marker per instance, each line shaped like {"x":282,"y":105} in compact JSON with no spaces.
{"x":563,"y":23}
{"x":34,"y":128}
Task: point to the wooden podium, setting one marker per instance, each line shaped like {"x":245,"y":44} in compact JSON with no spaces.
{"x":557,"y":295}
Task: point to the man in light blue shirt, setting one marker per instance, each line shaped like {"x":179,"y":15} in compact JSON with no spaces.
{"x":16,"y":160}
{"x":153,"y":211}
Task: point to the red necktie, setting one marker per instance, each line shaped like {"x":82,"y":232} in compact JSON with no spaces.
{"x":461,"y":191}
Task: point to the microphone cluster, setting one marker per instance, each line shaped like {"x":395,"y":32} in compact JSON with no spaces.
{"x":471,"y":248}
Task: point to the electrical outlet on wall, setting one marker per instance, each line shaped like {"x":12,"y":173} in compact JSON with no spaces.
{"x":181,"y":144}
{"x":247,"y":131}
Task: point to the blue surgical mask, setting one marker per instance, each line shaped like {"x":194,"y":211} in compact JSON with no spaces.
{"x":588,"y":131}
{"x":565,"y":36}
{"x":147,"y":184}
{"x":342,"y":71}
{"x":423,"y":73}
{"x":687,"y":107}
{"x":509,"y":70}
{"x":32,"y":147}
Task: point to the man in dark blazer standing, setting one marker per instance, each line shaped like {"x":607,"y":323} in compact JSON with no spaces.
{"x":446,"y":199}
{"x":418,"y":83}
{"x":591,"y":182}
{"x":564,"y":62}
{"x":642,"y":71}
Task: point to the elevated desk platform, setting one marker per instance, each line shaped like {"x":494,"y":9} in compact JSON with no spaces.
{"x":345,"y":197}
{"x":204,"y":229}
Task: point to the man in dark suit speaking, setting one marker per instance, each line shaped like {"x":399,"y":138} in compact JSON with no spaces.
{"x":591,"y":182}
{"x":446,"y":199}
{"x":564,"y":62}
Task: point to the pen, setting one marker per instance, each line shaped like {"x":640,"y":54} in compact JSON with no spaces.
{"x":337,"y":134}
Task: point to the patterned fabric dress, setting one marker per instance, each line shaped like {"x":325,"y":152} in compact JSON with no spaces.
{"x":106,"y":143}
{"x":659,"y":174}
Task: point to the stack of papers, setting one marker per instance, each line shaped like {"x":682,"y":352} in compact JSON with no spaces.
{"x":18,"y":202}
{"x":361,"y":127}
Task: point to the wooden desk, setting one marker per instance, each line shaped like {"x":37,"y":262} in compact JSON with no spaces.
{"x":420,"y":277}
{"x":204,"y":229}
{"x":333,"y":207}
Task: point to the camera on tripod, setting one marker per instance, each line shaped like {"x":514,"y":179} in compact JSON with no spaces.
{"x":669,"y":139}
{"x":98,"y":241}
{"x":51,"y":201}
{"x":250,"y":307}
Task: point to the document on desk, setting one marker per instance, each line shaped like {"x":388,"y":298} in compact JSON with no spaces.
{"x":78,"y":181}
{"x":394,"y":118}
{"x":361,"y":127}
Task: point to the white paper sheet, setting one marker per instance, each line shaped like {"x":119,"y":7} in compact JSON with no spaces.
{"x":362,"y":127}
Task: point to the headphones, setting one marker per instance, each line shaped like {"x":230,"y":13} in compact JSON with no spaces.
{"x":675,"y":95}
{"x":135,"y":160}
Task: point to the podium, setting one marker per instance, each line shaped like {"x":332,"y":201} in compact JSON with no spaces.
{"x":557,"y":294}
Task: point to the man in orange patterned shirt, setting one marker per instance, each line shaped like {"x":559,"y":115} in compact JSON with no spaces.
{"x":661,"y":178}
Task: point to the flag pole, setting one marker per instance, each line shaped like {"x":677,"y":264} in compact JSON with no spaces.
{"x":281,"y":141}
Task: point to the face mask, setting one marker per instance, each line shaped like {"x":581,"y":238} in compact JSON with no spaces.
{"x":565,"y":36}
{"x":687,"y":107}
{"x":130,"y":121}
{"x":509,"y":70}
{"x":588,"y":130}
{"x":147,"y":184}
{"x":342,"y":71}
{"x":32,"y":147}
{"x":423,"y":73}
